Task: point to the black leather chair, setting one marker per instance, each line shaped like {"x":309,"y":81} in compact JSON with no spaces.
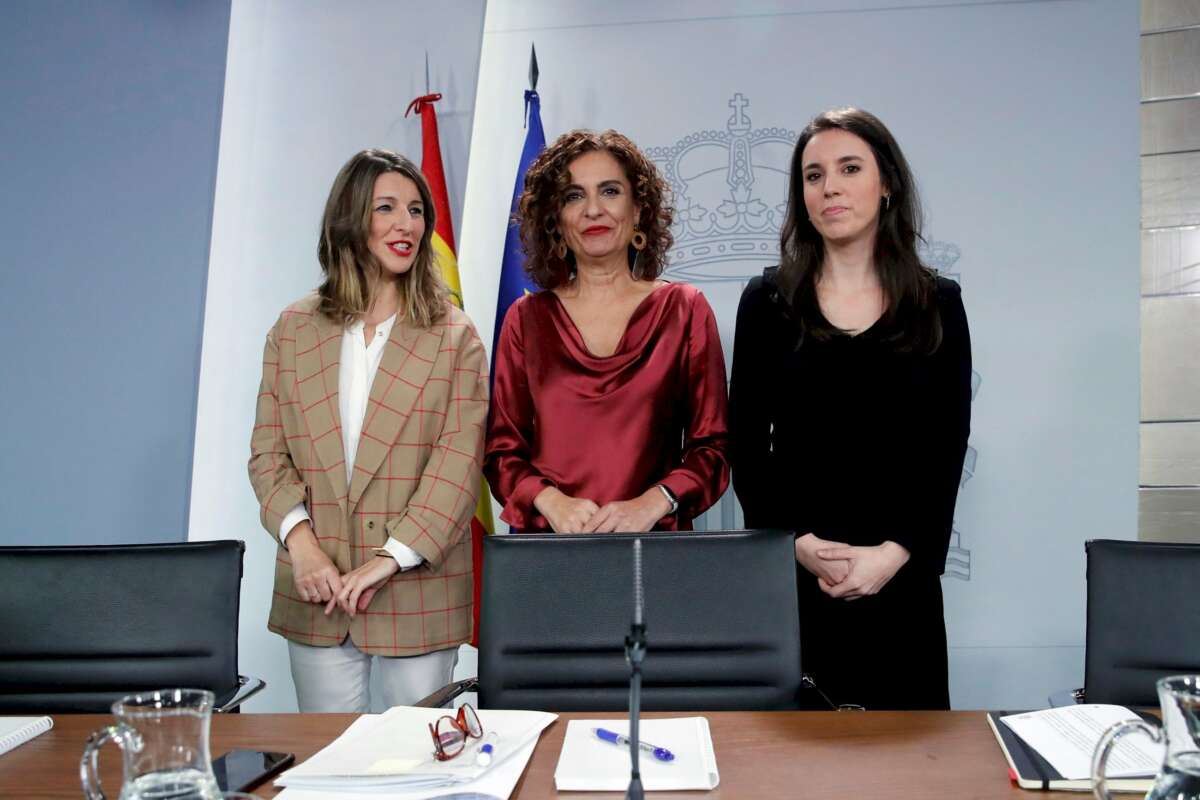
{"x":83,"y":626}
{"x":720,"y":613}
{"x":1143,"y":619}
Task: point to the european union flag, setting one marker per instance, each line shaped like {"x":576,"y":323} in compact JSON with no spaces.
{"x":513,"y":281}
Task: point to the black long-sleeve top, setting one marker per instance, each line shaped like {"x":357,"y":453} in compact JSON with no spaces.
{"x":848,"y":438}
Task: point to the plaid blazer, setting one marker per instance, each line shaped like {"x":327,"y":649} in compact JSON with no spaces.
{"x":416,"y":475}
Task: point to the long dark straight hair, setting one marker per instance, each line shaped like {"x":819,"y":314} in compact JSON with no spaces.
{"x":910,"y":321}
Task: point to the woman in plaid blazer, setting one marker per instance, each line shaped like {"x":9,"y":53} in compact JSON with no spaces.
{"x":366,"y":451}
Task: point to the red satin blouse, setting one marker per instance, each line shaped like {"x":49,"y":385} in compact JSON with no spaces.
{"x":609,"y":428}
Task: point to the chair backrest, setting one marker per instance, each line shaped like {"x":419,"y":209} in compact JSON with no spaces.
{"x":83,"y":626}
{"x":720,"y":614}
{"x":1143,"y":618}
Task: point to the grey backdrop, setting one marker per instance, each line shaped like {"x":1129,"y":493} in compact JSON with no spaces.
{"x":109,"y":138}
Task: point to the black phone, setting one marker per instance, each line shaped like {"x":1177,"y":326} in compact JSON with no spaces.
{"x":242,"y":770}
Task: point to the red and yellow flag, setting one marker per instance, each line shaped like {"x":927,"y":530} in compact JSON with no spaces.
{"x":443,"y":248}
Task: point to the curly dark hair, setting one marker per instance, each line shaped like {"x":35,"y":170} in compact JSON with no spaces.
{"x":542,"y":201}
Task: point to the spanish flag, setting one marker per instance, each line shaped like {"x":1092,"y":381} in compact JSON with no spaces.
{"x":443,"y":247}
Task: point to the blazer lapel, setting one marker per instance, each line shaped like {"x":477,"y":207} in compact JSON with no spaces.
{"x":408,"y":358}
{"x":318,"y":353}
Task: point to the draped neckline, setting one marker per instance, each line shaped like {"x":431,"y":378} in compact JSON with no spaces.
{"x":641,"y":323}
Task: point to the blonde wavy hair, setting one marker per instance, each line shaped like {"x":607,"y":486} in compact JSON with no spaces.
{"x":342,"y":247}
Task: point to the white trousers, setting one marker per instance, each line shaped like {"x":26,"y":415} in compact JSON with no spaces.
{"x":338,"y":679}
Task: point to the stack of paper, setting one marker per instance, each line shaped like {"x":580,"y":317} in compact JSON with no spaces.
{"x":588,"y":763}
{"x":393,"y":753}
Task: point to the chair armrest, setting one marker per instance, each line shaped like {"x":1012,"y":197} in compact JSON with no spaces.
{"x":247,"y":687}
{"x":1066,"y":697}
{"x":445,"y":695}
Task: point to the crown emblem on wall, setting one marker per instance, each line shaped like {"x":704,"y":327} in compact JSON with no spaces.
{"x":730,"y":190}
{"x":940,"y":256}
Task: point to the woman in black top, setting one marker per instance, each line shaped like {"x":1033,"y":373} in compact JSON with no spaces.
{"x":850,"y":410}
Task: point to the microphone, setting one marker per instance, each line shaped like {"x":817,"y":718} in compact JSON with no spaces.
{"x":635,"y":651}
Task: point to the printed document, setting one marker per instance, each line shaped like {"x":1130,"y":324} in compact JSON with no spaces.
{"x":1067,"y":737}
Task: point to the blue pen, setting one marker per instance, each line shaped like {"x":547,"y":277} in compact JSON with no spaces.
{"x":487,"y":750}
{"x":661,"y":753}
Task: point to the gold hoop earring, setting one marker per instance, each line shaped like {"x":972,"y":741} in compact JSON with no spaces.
{"x":560,"y":249}
{"x":639,"y":240}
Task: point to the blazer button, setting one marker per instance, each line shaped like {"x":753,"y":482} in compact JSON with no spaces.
{"x":371,"y":524}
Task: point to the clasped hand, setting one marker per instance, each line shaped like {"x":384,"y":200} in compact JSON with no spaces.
{"x":848,"y":572}
{"x":568,"y":514}
{"x":317,"y":579}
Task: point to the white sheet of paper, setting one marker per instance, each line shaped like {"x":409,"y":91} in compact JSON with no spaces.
{"x":588,"y":763}
{"x":1067,"y":737}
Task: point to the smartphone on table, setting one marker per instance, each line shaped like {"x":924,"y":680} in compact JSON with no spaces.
{"x":242,"y":770}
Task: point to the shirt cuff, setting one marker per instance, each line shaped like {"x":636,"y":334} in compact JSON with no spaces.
{"x":685,"y":490}
{"x":405,"y":556}
{"x":520,"y":512}
{"x":290,"y":520}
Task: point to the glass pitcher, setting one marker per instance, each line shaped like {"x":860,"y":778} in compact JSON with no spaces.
{"x":163,"y":737}
{"x":1179,"y":778}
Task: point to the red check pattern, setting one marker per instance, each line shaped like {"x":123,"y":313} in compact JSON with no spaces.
{"x":415,"y":478}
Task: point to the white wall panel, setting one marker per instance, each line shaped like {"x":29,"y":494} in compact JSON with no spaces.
{"x":1170,"y":454}
{"x":1171,"y":126}
{"x":1171,"y":63}
{"x":1171,"y":190}
{"x":1169,"y":515}
{"x":1171,"y":358}
{"x":1171,"y":260}
{"x":1159,"y":14}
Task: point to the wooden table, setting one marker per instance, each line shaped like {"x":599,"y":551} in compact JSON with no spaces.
{"x":938,"y":754}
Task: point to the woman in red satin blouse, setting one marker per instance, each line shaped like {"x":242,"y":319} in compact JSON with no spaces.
{"x":609,"y":405}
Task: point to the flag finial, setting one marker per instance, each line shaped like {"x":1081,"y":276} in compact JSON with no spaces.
{"x":533,"y":69}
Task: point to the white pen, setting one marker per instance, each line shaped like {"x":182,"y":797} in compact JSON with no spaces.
{"x":487,"y":750}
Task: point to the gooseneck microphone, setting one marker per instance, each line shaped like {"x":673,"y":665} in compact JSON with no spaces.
{"x":635,"y":651}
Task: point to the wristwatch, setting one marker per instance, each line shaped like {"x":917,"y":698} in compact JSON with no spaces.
{"x":670,"y":499}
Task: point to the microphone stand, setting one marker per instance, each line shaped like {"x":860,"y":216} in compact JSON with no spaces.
{"x":635,"y":651}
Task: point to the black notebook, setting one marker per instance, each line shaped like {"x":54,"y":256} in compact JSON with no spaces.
{"x":1029,"y":770}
